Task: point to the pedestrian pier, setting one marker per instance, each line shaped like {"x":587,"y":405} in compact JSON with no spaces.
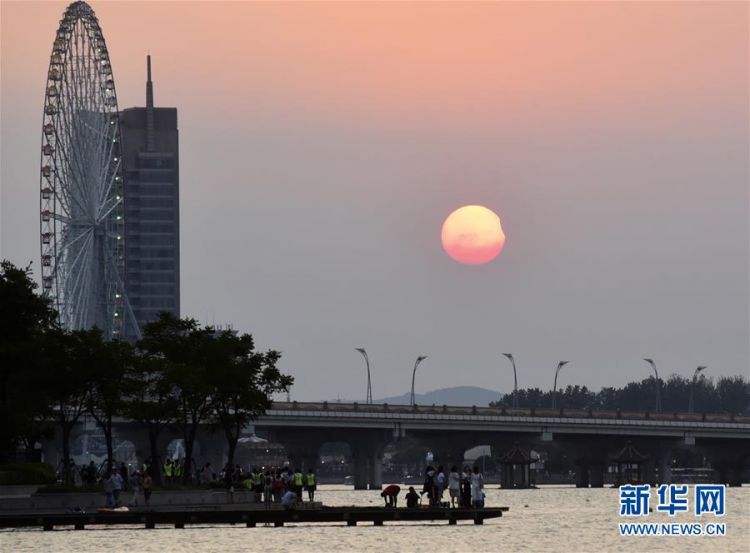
{"x":250,"y":518}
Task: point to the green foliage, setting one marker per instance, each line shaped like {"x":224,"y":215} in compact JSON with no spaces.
{"x":26,"y":473}
{"x":728,"y":395}
{"x":179,"y":373}
{"x":25,"y":318}
{"x":209,"y":376}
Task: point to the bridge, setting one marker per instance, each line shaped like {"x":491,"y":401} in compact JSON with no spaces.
{"x":590,"y":438}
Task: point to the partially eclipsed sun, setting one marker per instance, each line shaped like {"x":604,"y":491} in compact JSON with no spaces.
{"x":472,"y":235}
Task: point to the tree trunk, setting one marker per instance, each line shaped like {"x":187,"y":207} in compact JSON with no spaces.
{"x":189,"y":438}
{"x":107,"y":428}
{"x":67,"y":427}
{"x":153,"y":437}
{"x":232,"y":443}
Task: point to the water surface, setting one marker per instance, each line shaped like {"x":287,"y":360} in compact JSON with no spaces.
{"x":551,"y":519}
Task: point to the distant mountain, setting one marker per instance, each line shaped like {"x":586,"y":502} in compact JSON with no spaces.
{"x":458,"y":395}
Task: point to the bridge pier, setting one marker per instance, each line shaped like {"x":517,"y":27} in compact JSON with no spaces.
{"x":367,"y":457}
{"x":730,"y":473}
{"x":596,"y":474}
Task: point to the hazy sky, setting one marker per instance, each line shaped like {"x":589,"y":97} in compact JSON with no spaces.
{"x":323,"y":144}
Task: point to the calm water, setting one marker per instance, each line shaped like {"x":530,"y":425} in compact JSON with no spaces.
{"x":553,"y":519}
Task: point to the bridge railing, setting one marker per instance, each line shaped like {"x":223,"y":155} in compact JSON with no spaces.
{"x":505,"y":411}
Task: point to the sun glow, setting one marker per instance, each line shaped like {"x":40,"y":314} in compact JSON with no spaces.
{"x":473,"y":235}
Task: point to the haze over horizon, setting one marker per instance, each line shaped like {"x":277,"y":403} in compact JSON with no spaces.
{"x":323,"y":145}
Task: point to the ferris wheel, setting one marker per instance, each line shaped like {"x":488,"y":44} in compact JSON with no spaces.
{"x":81,"y":197}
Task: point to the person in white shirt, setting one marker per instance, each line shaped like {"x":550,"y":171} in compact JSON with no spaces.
{"x":116,"y":486}
{"x":439,"y":485}
{"x":454,"y":486}
{"x":289,"y":500}
{"x":477,"y":486}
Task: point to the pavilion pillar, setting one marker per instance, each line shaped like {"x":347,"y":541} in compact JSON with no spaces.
{"x":582,"y":475}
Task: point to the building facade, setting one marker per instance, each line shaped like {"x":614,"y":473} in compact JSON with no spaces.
{"x":150,"y":150}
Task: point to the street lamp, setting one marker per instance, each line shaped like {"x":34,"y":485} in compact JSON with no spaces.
{"x":414,"y":374}
{"x":515,"y":379}
{"x":560,"y":365}
{"x":369,"y":383}
{"x":658,"y":384}
{"x":692,"y":387}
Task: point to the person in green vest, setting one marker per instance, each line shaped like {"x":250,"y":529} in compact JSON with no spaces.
{"x":311,"y":485}
{"x":249,"y":482}
{"x":258,"y":482}
{"x":297,"y":483}
{"x":168,"y":471}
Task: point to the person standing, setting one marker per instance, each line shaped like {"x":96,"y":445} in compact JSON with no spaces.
{"x":298,"y":483}
{"x":477,"y":488}
{"x":167,"y":468}
{"x":429,"y":484}
{"x":135,"y":485}
{"x":116,"y":486}
{"x":439,"y":486}
{"x":466,"y":487}
{"x":454,"y":486}
{"x":267,"y":489}
{"x":311,"y":484}
{"x":108,"y":485}
{"x":148,"y":487}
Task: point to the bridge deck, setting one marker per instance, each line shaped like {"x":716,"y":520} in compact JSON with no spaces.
{"x":251,"y":518}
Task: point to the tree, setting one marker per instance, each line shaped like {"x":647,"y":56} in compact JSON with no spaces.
{"x":733,"y":394}
{"x":24,"y":318}
{"x":66,"y":379}
{"x":149,"y":398}
{"x":242,"y":382}
{"x":182,"y":347}
{"x":111,"y":362}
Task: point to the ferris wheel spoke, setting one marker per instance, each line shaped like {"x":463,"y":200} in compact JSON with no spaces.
{"x":67,"y":244}
{"x":62,"y":219}
{"x":106,"y":196}
{"x":110,"y":206}
{"x":74,"y":163}
{"x":75,"y":271}
{"x":120,"y":287}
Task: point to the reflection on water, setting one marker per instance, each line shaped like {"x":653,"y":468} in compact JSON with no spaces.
{"x":554,"y":519}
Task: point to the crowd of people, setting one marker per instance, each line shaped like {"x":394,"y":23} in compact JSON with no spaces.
{"x":466,"y":489}
{"x":282,"y":486}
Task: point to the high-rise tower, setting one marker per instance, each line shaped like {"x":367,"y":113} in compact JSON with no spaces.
{"x":152,"y":207}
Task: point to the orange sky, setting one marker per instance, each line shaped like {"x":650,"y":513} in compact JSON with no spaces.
{"x":323,"y":144}
{"x":427,"y":62}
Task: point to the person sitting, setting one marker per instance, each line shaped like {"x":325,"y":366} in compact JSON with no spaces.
{"x":390,"y":495}
{"x":412,"y":498}
{"x":289,"y":500}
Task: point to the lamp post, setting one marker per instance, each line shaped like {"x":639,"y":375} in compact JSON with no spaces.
{"x":560,"y":365}
{"x":369,"y":383}
{"x":515,"y":379}
{"x":692,"y":387}
{"x":658,"y":384}
{"x":414,"y":374}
